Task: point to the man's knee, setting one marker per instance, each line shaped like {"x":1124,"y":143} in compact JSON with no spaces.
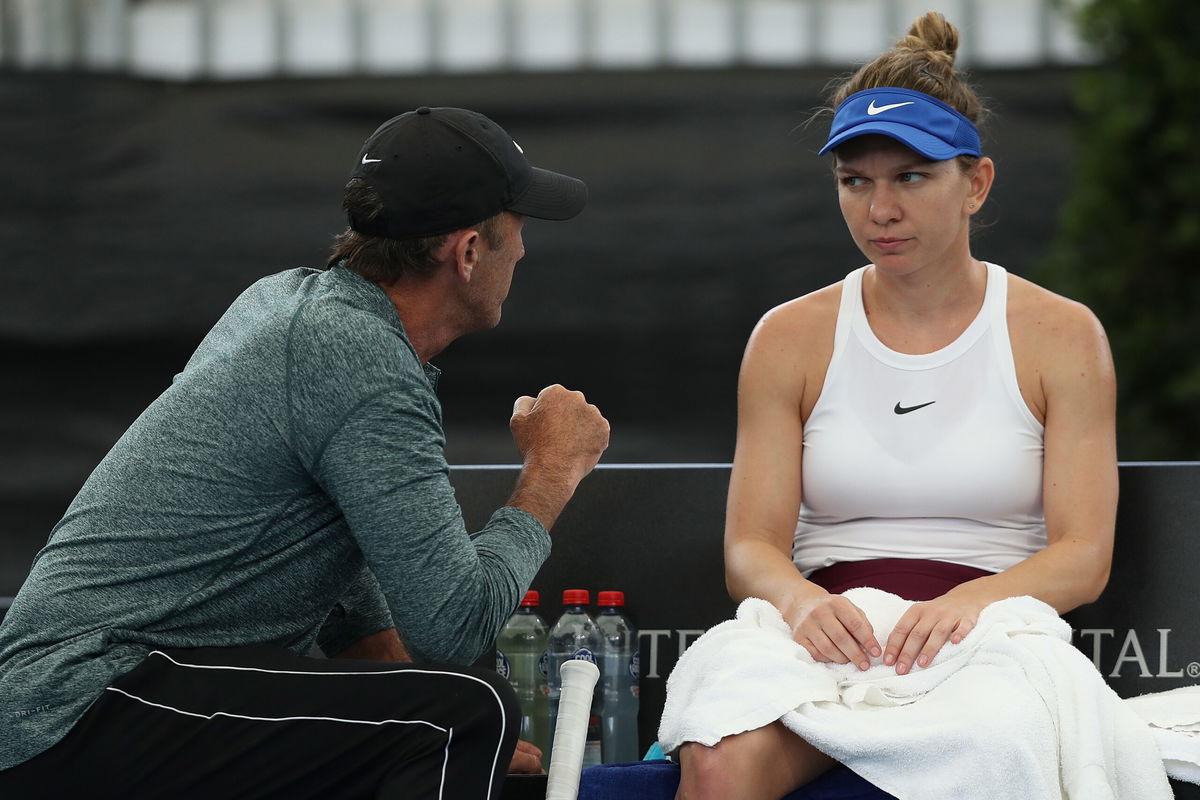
{"x":489,"y":702}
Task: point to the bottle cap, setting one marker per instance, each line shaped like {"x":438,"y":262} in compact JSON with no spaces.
{"x":576,"y":597}
{"x":531,"y":598}
{"x":611,"y":599}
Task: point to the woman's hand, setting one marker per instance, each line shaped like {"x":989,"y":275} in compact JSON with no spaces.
{"x":832,"y":629}
{"x":925,"y":627}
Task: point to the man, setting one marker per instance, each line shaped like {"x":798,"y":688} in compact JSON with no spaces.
{"x":290,"y":488}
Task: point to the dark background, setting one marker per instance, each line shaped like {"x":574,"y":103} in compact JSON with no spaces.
{"x":132,"y":212}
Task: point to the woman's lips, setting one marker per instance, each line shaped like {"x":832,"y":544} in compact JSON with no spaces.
{"x":889,"y":244}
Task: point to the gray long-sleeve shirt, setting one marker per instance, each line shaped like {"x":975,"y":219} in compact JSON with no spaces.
{"x":290,"y":482}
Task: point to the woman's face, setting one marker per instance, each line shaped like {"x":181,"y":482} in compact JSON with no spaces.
{"x":904,"y":211}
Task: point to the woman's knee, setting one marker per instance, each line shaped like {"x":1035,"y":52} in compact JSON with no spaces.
{"x":765,"y":762}
{"x":720,"y":769}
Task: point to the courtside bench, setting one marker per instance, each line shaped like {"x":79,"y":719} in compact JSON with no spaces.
{"x":655,"y":532}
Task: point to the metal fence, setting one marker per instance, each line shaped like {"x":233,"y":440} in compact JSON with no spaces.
{"x":234,"y":39}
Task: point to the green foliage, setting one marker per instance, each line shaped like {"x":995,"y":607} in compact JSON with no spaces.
{"x":1129,"y":242}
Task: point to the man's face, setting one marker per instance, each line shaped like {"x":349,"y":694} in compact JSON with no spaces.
{"x":492,"y":276}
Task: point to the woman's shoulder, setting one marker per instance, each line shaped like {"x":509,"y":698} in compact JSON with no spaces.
{"x":790,"y":348}
{"x":1057,"y":337}
{"x":809,"y":315}
{"x":1036,"y":311}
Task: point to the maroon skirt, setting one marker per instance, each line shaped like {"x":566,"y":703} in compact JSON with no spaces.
{"x":910,"y":578}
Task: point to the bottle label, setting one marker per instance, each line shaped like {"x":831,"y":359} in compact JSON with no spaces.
{"x":592,"y":756}
{"x":502,"y":665}
{"x":543,"y":666}
{"x":583,"y":654}
{"x":635,"y":669}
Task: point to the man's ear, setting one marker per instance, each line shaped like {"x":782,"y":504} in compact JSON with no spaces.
{"x":465,"y":250}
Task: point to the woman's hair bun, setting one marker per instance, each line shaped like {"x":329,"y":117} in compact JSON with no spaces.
{"x":923,"y":61}
{"x":931,"y":32}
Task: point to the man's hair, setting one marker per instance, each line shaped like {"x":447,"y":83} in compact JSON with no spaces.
{"x":383,"y":260}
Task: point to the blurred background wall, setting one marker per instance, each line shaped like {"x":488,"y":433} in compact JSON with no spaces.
{"x":158,"y":156}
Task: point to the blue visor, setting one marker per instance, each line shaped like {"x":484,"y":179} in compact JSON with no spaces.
{"x":923,"y":123}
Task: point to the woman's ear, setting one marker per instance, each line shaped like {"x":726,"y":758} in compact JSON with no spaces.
{"x":980,"y":184}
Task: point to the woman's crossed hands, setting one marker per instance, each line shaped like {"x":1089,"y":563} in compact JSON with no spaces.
{"x":834,"y":630}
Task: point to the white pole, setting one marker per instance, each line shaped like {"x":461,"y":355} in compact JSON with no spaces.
{"x":570,"y":731}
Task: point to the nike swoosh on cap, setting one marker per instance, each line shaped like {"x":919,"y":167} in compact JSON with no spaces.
{"x":899,"y":409}
{"x":873,"y":109}
{"x":366,"y":160}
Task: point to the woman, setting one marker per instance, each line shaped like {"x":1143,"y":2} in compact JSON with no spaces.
{"x":956,"y":422}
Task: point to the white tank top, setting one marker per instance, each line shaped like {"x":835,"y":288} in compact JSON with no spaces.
{"x":932,"y":456}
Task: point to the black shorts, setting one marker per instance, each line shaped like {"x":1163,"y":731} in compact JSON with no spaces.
{"x":259,"y":722}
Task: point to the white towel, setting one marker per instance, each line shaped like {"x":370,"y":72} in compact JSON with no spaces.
{"x":1174,"y":720}
{"x":1012,"y":712}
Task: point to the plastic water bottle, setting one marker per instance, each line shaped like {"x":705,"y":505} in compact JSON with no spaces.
{"x":575,"y":636}
{"x":619,"y":674}
{"x":521,"y":657}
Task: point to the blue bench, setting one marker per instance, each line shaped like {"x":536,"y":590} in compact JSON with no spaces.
{"x":657,"y":780}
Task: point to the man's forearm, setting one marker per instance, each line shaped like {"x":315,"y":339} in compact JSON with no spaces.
{"x":543,"y":492}
{"x":382,"y":646}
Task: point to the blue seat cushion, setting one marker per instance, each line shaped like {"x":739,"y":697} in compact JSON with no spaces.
{"x":658,"y":779}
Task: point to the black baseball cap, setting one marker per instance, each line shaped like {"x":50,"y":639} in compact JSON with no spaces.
{"x":441,"y":169}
